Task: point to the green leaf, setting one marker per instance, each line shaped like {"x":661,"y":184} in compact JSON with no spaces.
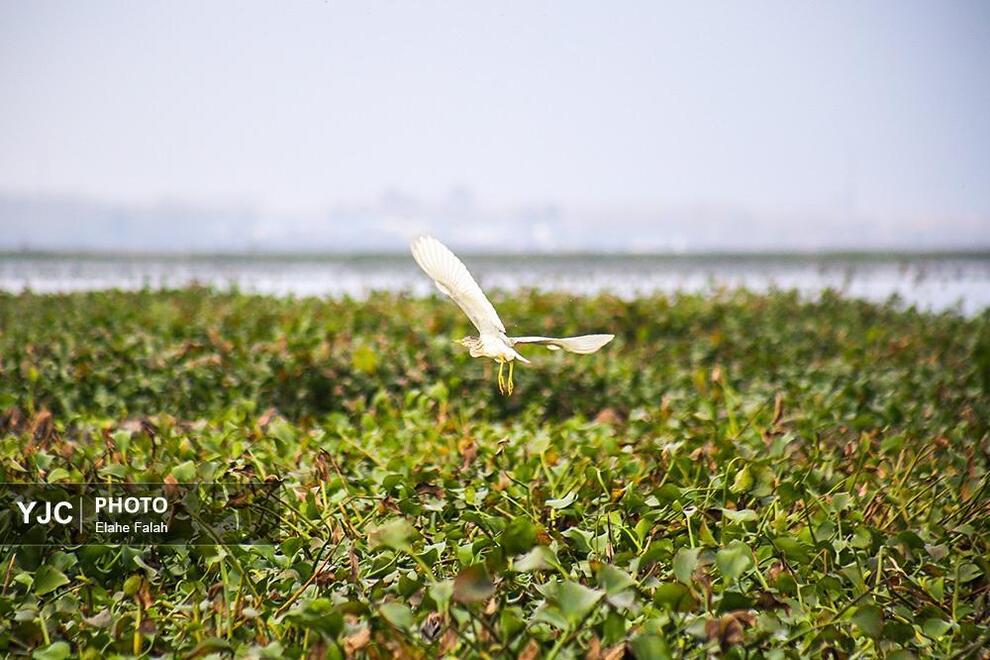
{"x":576,"y":600}
{"x":734,"y":560}
{"x":582,"y":539}
{"x":936,"y":628}
{"x":185,"y":473}
{"x":563,"y":502}
{"x":674,"y":596}
{"x":899,"y":632}
{"x":395,"y":534}
{"x":685,"y":561}
{"x":318,"y":615}
{"x":733,"y":600}
{"x":473,"y":585}
{"x":519,"y":536}
{"x":744,"y":515}
{"x":614,"y":580}
{"x":47,"y":579}
{"x":968,"y":572}
{"x":869,"y":619}
{"x":510,"y":621}
{"x":283,"y":431}
{"x":441,"y":593}
{"x":397,"y":614}
{"x":58,"y":474}
{"x":786,"y":584}
{"x":649,"y":647}
{"x":614,"y":628}
{"x":364,"y":359}
{"x":208,"y":646}
{"x":743,"y":481}
{"x":540,"y":558}
{"x":132,"y":585}
{"x":550,"y":614}
{"x":55,"y":651}
{"x":793,"y":549}
{"x":901,"y":654}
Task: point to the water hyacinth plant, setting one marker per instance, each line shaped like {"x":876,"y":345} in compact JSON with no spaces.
{"x":741,"y":475}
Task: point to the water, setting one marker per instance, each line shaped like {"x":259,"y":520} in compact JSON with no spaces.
{"x":937,"y":283}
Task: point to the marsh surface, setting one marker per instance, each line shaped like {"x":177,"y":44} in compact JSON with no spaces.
{"x":738,"y":474}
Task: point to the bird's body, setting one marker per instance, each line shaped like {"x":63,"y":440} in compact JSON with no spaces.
{"x":497,"y":347}
{"x":454,"y":280}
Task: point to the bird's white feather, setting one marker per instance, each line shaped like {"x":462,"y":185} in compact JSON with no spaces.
{"x":453,"y":279}
{"x":582,"y":345}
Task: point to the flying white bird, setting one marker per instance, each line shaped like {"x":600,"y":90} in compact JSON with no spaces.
{"x":453,"y":279}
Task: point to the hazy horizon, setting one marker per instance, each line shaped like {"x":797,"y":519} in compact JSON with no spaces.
{"x":57,"y":223}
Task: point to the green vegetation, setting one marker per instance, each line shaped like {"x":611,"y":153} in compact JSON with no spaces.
{"x":758,"y":476}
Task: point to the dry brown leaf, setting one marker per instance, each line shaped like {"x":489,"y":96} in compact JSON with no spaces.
{"x":267,"y":417}
{"x":431,"y":626}
{"x":355,"y":565}
{"x":607,"y":416}
{"x":317,"y":651}
{"x":778,"y":408}
{"x":594,"y":650}
{"x":616,"y":652}
{"x":531,"y":651}
{"x":448,"y":643}
{"x":357,"y":641}
{"x":729,"y":629}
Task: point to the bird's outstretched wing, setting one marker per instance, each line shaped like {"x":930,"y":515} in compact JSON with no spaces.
{"x":582,"y":345}
{"x":453,"y":279}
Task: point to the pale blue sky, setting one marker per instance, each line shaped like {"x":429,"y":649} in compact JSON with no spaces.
{"x":876,"y":108}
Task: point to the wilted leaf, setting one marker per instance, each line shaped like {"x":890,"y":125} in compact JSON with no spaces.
{"x":729,"y":629}
{"x":472,"y":584}
{"x":357,"y":641}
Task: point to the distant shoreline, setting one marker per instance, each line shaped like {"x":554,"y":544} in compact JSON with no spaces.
{"x":929,"y":280}
{"x":358,"y":255}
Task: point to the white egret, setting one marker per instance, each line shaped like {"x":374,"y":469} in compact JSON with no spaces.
{"x":451,"y":276}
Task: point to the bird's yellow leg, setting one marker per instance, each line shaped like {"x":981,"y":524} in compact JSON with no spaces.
{"x":512,"y":365}
{"x":501,"y":381}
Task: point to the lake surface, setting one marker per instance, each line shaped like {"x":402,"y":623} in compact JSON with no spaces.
{"x":933,"y":282}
